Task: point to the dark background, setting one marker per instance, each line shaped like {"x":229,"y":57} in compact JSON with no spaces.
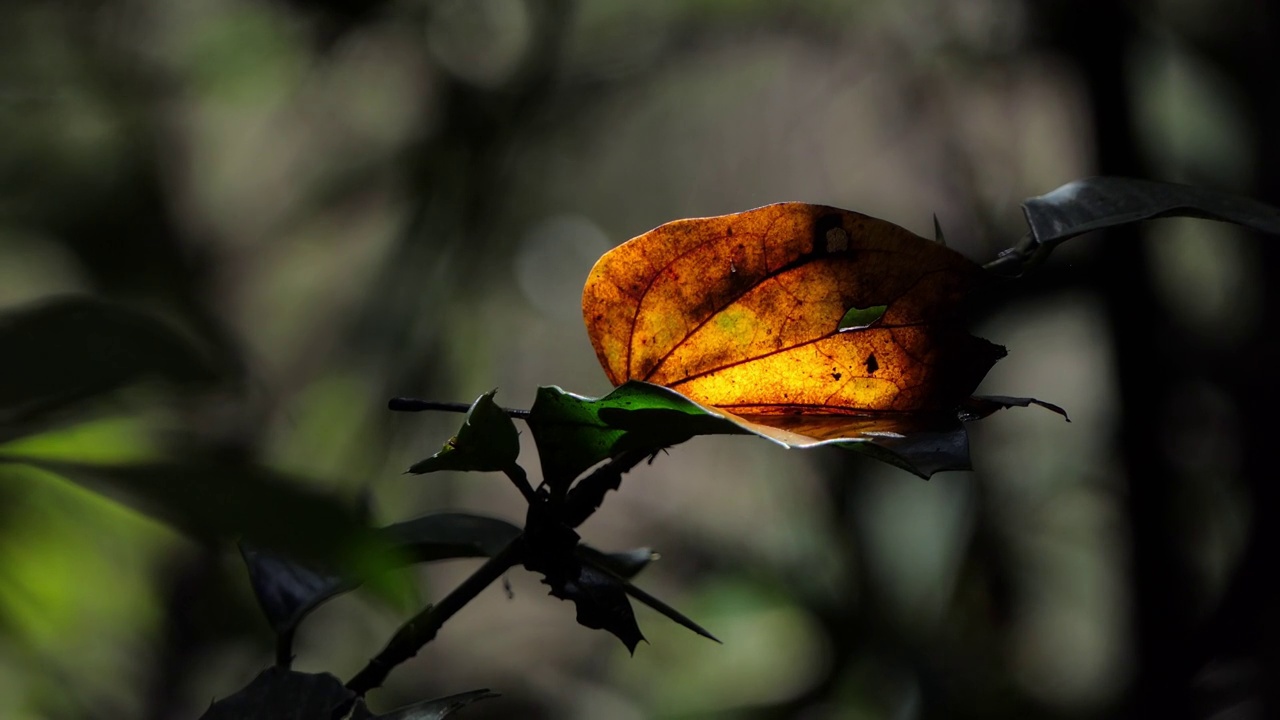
{"x":353,"y":200}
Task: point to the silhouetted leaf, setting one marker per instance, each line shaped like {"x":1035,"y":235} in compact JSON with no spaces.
{"x":626,"y":564}
{"x":442,"y":536}
{"x":487,"y":442}
{"x":1095,"y":203}
{"x":62,"y":351}
{"x":288,"y":590}
{"x":278,"y":694}
{"x":437,"y":709}
{"x":600,"y":599}
{"x":667,"y":611}
{"x":980,"y":406}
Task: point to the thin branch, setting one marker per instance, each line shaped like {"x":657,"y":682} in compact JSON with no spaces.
{"x":406,"y":404}
{"x":422,"y":628}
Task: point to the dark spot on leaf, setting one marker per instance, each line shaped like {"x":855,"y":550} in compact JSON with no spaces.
{"x":835,"y":376}
{"x":872,"y":365}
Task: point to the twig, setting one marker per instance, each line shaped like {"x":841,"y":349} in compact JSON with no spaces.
{"x":422,"y":628}
{"x":407,"y":404}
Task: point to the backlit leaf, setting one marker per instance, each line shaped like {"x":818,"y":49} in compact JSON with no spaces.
{"x":802,"y":323}
{"x":487,"y":442}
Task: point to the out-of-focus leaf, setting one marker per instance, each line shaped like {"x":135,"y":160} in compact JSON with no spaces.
{"x":278,"y":694}
{"x":487,"y":442}
{"x":442,"y":536}
{"x":223,"y":502}
{"x":437,"y":709}
{"x":1096,"y":203}
{"x":288,"y":591}
{"x":63,"y":351}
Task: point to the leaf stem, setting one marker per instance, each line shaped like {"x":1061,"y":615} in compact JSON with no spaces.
{"x":422,"y":628}
{"x":521,"y":480}
{"x":408,"y":404}
{"x":284,"y":648}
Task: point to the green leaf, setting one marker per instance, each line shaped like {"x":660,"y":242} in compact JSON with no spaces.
{"x":860,"y":318}
{"x":278,"y":694}
{"x":487,"y":442}
{"x":60,"y":352}
{"x":437,"y":709}
{"x":575,"y":432}
{"x":1101,"y":202}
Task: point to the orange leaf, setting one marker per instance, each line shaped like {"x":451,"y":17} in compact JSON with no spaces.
{"x":791,"y":310}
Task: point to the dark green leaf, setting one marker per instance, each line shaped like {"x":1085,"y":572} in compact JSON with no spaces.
{"x":1102,"y":202}
{"x":487,"y":442}
{"x":278,"y":694}
{"x":437,"y":709}
{"x":60,"y":352}
{"x":443,"y":536}
{"x":286,"y":590}
{"x":574,"y":432}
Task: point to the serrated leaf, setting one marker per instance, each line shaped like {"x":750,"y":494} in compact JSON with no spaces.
{"x":487,"y":442}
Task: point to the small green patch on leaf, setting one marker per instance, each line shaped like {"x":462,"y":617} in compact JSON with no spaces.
{"x":861,"y":318}
{"x":487,"y":442}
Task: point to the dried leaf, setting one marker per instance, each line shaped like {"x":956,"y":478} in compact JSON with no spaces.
{"x":802,"y":323}
{"x":745,"y":312}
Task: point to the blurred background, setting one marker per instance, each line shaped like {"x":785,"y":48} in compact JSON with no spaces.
{"x":354,"y":200}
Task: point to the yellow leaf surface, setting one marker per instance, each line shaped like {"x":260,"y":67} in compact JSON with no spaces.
{"x":790,"y":310}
